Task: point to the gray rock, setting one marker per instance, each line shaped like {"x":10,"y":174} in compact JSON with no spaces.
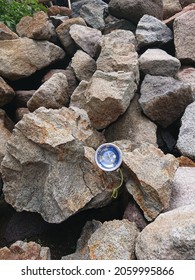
{"x":93,"y":14}
{"x":187,"y":75}
{"x":186,"y":2}
{"x":44,"y":150}
{"x":37,"y":27}
{"x":186,"y":139}
{"x":20,"y":112}
{"x":184,"y":31}
{"x":87,"y":38}
{"x":83,"y":65}
{"x":52,"y":94}
{"x":150,"y":174}
{"x":22,"y":57}
{"x":114,"y":240}
{"x":118,"y":53}
{"x":25,"y":251}
{"x":116,"y":23}
{"x":132,"y":125}
{"x":22,"y":97}
{"x":169,"y":237}
{"x":164,"y":99}
{"x":183,"y":191}
{"x":158,"y":63}
{"x":77,"y":5}
{"x":134,"y":10}
{"x":170,"y":8}
{"x":82,"y":250}
{"x":6,"y":92}
{"x":106,"y":97}
{"x":64,"y":36}
{"x":151,"y":31}
{"x":6,"y":33}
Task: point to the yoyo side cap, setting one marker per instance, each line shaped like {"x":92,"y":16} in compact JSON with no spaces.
{"x":108,"y":157}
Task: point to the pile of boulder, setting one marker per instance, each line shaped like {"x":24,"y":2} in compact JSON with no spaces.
{"x":126,"y":73}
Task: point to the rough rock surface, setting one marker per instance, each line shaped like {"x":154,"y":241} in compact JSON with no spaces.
{"x":77,"y":5}
{"x":186,"y":139}
{"x":22,"y":96}
{"x":171,"y":7}
{"x":150,"y":178}
{"x":63,"y":33}
{"x":105,"y":97}
{"x":164,"y":99}
{"x":187,"y":75}
{"x":184,"y":31}
{"x":87,"y":38}
{"x":83,"y":65}
{"x":113,"y":240}
{"x":5,"y":133}
{"x":183,"y":191}
{"x":151,"y":31}
{"x":186,"y":2}
{"x":22,"y":57}
{"x":25,"y":251}
{"x":169,"y":237}
{"x":52,"y":94}
{"x":158,"y":63}
{"x":6,"y":92}
{"x":93,"y":14}
{"x":134,"y":10}
{"x":82,"y":250}
{"x":133,"y":125}
{"x":6,"y":33}
{"x":118,"y":53}
{"x":37,"y":27}
{"x":45,"y":147}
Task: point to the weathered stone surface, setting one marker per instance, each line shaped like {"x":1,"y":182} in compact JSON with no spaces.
{"x":22,"y":96}
{"x":22,"y":57}
{"x":169,"y":237}
{"x":115,"y":23}
{"x":37,"y":27}
{"x":151,"y":31}
{"x":133,"y":125}
{"x":186,"y":139}
{"x":150,"y":178}
{"x":93,"y":14}
{"x":184,"y":31}
{"x":87,"y":38}
{"x":25,"y":251}
{"x":52,"y":94}
{"x":134,"y":10}
{"x":59,"y":10}
{"x":114,"y":240}
{"x":169,"y":21}
{"x":105,"y":97}
{"x":70,"y":75}
{"x":82,"y":250}
{"x":6,"y":92}
{"x":83,"y":65}
{"x":134,"y":214}
{"x":164,"y":99}
{"x":5,"y":133}
{"x":158,"y":63}
{"x":183,"y":190}
{"x":118,"y":53}
{"x":77,"y":5}
{"x":6,"y":33}
{"x":63,"y":33}
{"x":186,"y":2}
{"x":45,"y":149}
{"x":20,"y":112}
{"x":170,"y":8}
{"x":185,"y":162}
{"x":187,"y":75}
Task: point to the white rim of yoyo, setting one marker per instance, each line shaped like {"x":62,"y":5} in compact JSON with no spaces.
{"x":118,"y":151}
